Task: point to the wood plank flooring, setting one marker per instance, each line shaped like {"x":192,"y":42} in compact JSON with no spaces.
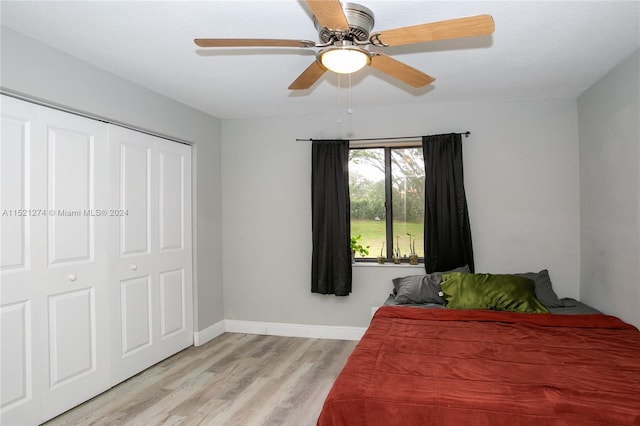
{"x":235,"y":379}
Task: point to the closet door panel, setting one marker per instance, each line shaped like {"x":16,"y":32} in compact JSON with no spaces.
{"x":135,"y":194}
{"x":14,"y":199}
{"x":72,"y":336}
{"x":137,"y":294}
{"x":21,"y":301}
{"x":136,"y":306}
{"x":172,"y":303}
{"x":20,"y":373}
{"x":76,"y":270}
{"x":17,"y":353}
{"x":172,"y":187}
{"x":135,"y":285}
{"x":71,"y":168}
{"x":174,"y":250}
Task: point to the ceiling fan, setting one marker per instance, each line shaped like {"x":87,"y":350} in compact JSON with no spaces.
{"x":345,"y":34}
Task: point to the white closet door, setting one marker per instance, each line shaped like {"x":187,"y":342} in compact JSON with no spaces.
{"x":76,"y":267}
{"x":174,"y":248}
{"x":54,"y":262}
{"x":152,"y":290}
{"x":21,"y":301}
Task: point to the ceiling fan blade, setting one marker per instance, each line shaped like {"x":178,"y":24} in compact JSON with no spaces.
{"x":443,"y":30}
{"x":400,"y":70}
{"x":251,"y":42}
{"x":329,"y":14}
{"x":308,"y":77}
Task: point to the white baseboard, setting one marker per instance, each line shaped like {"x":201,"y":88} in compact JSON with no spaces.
{"x":374,"y":309}
{"x":277,"y":329}
{"x":295,"y":330}
{"x":209,"y":333}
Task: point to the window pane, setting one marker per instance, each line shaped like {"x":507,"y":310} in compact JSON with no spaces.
{"x":366,"y":188}
{"x":407,"y":182}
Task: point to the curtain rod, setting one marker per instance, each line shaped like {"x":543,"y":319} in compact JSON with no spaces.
{"x":466,"y":135}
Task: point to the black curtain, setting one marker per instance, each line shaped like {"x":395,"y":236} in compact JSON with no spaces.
{"x":330,"y":218}
{"x":447,"y":234}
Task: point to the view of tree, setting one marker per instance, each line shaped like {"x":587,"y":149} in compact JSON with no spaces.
{"x":367,"y":194}
{"x":367,"y":199}
{"x":407,"y":167}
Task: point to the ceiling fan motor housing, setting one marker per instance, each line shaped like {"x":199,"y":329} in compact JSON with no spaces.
{"x":360,"y":21}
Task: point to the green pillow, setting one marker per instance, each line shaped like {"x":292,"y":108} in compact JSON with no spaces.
{"x":487,"y":291}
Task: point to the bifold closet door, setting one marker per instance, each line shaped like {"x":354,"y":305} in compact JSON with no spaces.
{"x":54,"y":301}
{"x":22,"y":304}
{"x":152,"y":286}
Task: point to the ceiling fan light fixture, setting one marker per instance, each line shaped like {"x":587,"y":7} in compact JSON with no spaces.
{"x":344,"y":59}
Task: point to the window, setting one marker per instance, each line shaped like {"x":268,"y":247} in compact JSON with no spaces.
{"x":386,"y":187}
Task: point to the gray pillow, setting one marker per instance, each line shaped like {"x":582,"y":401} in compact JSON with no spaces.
{"x":544,"y":290}
{"x":421,"y":288}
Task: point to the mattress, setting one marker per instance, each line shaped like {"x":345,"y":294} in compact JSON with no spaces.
{"x":479,"y":367}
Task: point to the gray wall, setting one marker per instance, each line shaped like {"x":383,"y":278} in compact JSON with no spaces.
{"x":608,"y":117}
{"x":527,"y":187}
{"x":39,"y":71}
{"x":522,"y":182}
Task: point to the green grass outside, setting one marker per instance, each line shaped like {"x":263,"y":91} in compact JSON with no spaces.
{"x":373,"y":235}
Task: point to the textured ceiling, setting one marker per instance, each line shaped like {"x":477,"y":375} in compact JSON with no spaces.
{"x":540,"y":50}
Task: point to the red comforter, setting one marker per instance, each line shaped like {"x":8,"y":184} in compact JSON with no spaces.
{"x":455,"y":367}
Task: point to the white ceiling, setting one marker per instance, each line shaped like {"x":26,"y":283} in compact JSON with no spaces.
{"x":540,"y":50}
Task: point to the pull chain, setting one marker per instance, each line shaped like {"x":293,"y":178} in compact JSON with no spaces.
{"x":349,"y":110}
{"x":339,"y":119}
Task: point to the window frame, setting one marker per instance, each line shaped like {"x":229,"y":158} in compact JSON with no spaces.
{"x":388,"y":191}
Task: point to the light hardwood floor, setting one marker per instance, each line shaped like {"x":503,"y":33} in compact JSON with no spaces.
{"x":235,"y":379}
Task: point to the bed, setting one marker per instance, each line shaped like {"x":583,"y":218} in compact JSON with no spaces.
{"x":568,"y":365}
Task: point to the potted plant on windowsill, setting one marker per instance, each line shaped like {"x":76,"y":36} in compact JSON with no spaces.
{"x":356,"y":247}
{"x":381,"y":258}
{"x":396,"y":252}
{"x":413,"y":257}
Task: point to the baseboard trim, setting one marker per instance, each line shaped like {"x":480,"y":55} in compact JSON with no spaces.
{"x":295,"y":330}
{"x":277,"y":329}
{"x":209,"y":333}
